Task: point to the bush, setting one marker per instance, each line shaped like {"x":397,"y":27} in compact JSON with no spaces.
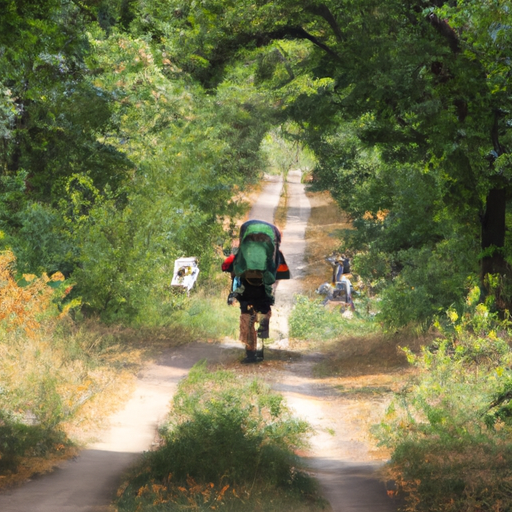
{"x":207,"y":316}
{"x":451,"y":448}
{"x":430,"y":280}
{"x":18,"y":440}
{"x":223,"y":433}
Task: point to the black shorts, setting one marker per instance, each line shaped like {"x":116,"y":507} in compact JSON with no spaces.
{"x":259,"y":306}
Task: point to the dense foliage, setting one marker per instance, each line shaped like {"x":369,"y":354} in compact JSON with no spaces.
{"x":128,"y":127}
{"x":114,"y":162}
{"x":449,"y":429}
{"x":406,"y":107}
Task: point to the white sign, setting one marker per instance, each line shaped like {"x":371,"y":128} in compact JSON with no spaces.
{"x":185,"y":272}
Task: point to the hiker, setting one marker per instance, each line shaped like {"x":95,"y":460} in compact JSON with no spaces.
{"x":254,"y":270}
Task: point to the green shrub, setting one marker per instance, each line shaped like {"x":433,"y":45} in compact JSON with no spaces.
{"x":207,"y":316}
{"x":430,"y":280}
{"x":19,"y":440}
{"x":224,"y":432}
{"x":451,"y":448}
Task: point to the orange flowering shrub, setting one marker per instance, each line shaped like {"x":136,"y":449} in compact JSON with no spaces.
{"x":194,"y":495}
{"x":23,"y":305}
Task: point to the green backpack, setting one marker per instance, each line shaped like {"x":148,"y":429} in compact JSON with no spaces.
{"x":259,"y":260}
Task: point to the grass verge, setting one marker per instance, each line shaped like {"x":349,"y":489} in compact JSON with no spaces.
{"x":229,"y":444}
{"x":310,"y":320}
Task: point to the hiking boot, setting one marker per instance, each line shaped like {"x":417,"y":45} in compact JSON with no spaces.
{"x":250,"y":357}
{"x":259,"y":354}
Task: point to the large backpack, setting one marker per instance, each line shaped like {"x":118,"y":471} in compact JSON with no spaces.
{"x":259,"y":260}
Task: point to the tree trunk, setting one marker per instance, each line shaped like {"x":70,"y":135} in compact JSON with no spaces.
{"x":493,"y":243}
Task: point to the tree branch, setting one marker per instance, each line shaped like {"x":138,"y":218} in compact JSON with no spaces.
{"x":444,"y":29}
{"x":300,"y":33}
{"x":323,"y":11}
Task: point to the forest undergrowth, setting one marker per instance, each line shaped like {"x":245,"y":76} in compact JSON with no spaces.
{"x":61,"y":377}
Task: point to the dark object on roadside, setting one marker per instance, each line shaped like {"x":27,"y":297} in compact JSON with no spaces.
{"x":251,"y":357}
{"x":340,"y":287}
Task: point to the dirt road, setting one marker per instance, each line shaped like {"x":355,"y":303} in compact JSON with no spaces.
{"x":344,"y":467}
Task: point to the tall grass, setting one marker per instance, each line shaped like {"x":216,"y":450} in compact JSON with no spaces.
{"x":310,"y":320}
{"x":229,"y":443}
{"x":206,"y":316}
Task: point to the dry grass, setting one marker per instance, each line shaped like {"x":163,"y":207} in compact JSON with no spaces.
{"x":94,"y":382}
{"x":325,"y":224}
{"x":367,"y":355}
{"x":282,"y":209}
{"x":34,"y":466}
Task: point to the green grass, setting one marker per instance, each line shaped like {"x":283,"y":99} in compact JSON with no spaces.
{"x":310,"y":320}
{"x":207,"y":316}
{"x":229,"y":443}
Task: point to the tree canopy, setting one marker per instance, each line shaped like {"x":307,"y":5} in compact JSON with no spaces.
{"x":129,"y":126}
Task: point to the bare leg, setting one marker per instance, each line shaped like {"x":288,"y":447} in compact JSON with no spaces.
{"x":248,"y":336}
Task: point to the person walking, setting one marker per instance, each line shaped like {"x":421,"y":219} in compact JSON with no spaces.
{"x":254,"y":269}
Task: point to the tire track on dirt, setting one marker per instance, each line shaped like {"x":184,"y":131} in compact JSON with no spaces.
{"x":89,"y":482}
{"x":344,"y":468}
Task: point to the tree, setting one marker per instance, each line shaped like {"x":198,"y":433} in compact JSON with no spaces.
{"x":424,"y":82}
{"x":115,"y":161}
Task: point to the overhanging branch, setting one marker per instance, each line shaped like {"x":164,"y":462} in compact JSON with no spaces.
{"x":444,"y":29}
{"x":300,"y":33}
{"x":323,"y":11}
